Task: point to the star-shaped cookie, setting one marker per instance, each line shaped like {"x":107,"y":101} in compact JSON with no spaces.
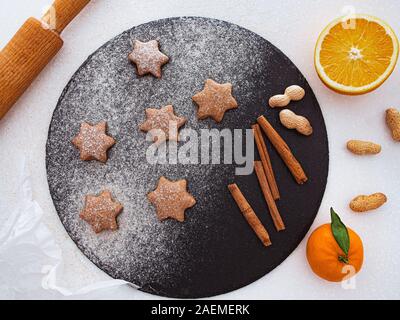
{"x":93,"y":142}
{"x":214,"y":100}
{"x":101,"y":211}
{"x":148,"y":58}
{"x":171,"y":199}
{"x":162,"y":124}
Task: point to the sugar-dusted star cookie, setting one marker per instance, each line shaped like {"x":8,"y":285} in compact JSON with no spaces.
{"x":162,"y":124}
{"x":93,"y":142}
{"x":214,"y":100}
{"x":171,"y":199}
{"x":148,"y":58}
{"x":101,"y":211}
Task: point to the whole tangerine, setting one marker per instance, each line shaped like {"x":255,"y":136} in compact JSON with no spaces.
{"x":326,"y":257}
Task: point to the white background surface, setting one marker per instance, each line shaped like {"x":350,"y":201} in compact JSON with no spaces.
{"x":293,"y":26}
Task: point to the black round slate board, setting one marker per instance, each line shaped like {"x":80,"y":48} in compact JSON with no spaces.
{"x":214,"y":251}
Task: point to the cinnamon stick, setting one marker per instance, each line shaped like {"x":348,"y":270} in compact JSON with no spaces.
{"x":284,"y":151}
{"x":249,"y":214}
{"x":273,"y":210}
{"x":266,"y":160}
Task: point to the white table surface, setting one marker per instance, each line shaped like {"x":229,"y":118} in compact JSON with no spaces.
{"x":293,"y":26}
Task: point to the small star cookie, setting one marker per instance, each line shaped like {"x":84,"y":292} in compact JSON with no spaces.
{"x":162,"y":123}
{"x":148,"y":58}
{"x":171,"y":199}
{"x":214,"y":100}
{"x":93,"y":142}
{"x":101,"y":211}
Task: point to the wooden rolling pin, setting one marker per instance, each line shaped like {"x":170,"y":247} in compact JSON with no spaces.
{"x":31,"y":49}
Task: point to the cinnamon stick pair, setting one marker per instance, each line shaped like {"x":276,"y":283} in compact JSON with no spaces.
{"x":249,"y":214}
{"x":273,"y":210}
{"x":266,"y":161}
{"x":284,"y":151}
{"x":266,"y":178}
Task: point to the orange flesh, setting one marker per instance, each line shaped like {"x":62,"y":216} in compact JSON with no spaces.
{"x":356,"y":57}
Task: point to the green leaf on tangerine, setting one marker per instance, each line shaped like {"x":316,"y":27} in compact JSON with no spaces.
{"x":340,"y":234}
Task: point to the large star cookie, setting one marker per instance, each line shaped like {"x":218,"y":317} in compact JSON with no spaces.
{"x":93,"y":142}
{"x":214,"y":100}
{"x":162,"y":124}
{"x":148,"y":58}
{"x":171,"y":199}
{"x":101,"y":211}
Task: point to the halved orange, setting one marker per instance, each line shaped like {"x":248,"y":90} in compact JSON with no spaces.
{"x":355,"y":56}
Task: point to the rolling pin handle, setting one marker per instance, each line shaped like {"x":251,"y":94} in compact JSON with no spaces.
{"x":62,"y":12}
{"x":31,"y":49}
